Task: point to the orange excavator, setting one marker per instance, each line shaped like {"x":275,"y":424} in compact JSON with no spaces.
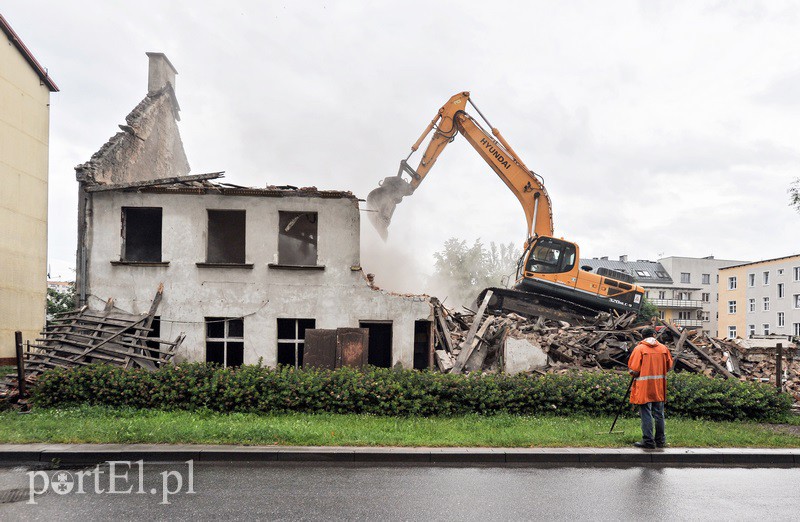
{"x":550,"y":280}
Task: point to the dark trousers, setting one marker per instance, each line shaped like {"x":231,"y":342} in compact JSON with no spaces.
{"x":648,"y":412}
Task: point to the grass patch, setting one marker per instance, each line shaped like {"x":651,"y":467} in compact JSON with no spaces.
{"x":109,"y":425}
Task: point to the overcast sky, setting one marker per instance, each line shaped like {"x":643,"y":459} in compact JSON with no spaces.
{"x":660,"y":128}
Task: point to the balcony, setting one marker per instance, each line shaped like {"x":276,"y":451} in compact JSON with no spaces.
{"x":676,"y":303}
{"x":688,"y":323}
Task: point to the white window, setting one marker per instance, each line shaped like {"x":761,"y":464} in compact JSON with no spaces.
{"x":706,"y":279}
{"x":225,"y":341}
{"x":684,"y":315}
{"x":662,"y":294}
{"x":781,"y":319}
{"x":684,"y":296}
{"x":731,"y":332}
{"x":751,"y":329}
{"x":292,"y":339}
{"x":752,"y":305}
{"x":686,"y":277}
{"x":796,"y":327}
{"x":796,"y":300}
{"x":706,"y":297}
{"x":781,"y":291}
{"x":661,"y":315}
{"x":706,"y":316}
{"x":796,"y":271}
{"x":766,"y":328}
{"x":766,"y":278}
{"x":731,"y":307}
{"x":751,"y":280}
{"x":780,"y":271}
{"x":766,"y":304}
{"x":732,"y":283}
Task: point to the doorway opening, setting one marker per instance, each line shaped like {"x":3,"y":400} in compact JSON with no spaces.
{"x":380,"y":343}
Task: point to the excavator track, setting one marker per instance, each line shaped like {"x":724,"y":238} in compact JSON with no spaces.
{"x":529,"y":304}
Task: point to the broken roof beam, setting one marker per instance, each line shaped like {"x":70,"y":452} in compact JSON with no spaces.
{"x":156,"y":182}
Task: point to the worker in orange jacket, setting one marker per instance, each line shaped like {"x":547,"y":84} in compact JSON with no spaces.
{"x":648,"y":365}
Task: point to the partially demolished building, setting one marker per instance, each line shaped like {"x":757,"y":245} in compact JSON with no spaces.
{"x":246,"y":271}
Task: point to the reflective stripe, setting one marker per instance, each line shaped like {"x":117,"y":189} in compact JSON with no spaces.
{"x":651,"y":377}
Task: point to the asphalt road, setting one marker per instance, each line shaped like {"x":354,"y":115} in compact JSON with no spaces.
{"x":313,"y":492}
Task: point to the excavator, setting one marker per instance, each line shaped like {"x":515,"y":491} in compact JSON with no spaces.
{"x":549,"y":281}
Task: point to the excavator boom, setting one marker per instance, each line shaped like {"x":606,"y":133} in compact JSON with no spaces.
{"x":549,"y":275}
{"x":452,"y":118}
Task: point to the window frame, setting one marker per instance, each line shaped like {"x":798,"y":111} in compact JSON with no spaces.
{"x":766,"y":304}
{"x":297,"y":341}
{"x":732,"y":332}
{"x":732,"y":282}
{"x":706,"y":279}
{"x":732,"y":307}
{"x":686,"y":277}
{"x":227,"y":339}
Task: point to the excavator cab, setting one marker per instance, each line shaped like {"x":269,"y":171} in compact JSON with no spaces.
{"x":548,"y":255}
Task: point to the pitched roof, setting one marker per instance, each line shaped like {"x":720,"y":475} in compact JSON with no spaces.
{"x":26,"y":53}
{"x":649,"y":272}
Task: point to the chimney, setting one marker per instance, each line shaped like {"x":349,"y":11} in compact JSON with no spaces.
{"x":624,"y":259}
{"x":160,"y":72}
{"x":604,"y":258}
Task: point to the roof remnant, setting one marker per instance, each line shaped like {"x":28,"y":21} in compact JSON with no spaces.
{"x":139,"y":124}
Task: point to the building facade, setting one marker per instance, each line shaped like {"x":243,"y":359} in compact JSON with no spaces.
{"x":245,"y":271}
{"x":683,"y":289}
{"x":25,"y":89}
{"x":760,"y":298}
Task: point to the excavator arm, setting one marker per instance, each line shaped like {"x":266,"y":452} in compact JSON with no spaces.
{"x":493,"y":148}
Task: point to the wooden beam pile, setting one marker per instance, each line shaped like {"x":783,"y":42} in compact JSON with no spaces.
{"x":85,"y":336}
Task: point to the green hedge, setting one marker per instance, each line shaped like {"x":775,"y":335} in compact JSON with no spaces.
{"x":394,"y":392}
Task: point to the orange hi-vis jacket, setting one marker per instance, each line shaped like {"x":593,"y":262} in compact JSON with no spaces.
{"x":649,"y":363}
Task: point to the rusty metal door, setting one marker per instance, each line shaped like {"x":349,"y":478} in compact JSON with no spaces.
{"x":320,"y":349}
{"x":352,"y":347}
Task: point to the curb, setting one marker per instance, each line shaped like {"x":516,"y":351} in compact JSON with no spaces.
{"x":86,"y":454}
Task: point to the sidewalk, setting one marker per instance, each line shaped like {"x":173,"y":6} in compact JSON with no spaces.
{"x":74,"y":454}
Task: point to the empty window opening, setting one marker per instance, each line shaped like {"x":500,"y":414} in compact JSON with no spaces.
{"x":422,"y":347}
{"x":291,"y":340}
{"x":297,"y":238}
{"x":141,"y":234}
{"x":226,"y":232}
{"x":380,"y":343}
{"x":225,"y":341}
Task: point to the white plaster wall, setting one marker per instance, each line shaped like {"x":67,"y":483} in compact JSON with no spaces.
{"x":337,"y":296}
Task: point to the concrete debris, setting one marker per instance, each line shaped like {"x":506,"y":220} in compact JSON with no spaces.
{"x":513,"y":343}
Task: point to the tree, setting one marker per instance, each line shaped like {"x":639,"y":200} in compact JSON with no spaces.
{"x":794,"y":194}
{"x":59,"y":302}
{"x":647,"y":312}
{"x":462,"y":271}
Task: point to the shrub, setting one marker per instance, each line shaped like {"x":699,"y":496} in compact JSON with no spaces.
{"x":394,"y":392}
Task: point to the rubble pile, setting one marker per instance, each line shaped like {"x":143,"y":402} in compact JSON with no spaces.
{"x":481,"y":340}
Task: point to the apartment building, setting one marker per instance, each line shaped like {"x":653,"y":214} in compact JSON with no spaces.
{"x":25,"y":88}
{"x":684,"y":289}
{"x":760,"y":298}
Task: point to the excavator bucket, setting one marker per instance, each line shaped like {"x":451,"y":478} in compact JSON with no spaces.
{"x":382,"y":201}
